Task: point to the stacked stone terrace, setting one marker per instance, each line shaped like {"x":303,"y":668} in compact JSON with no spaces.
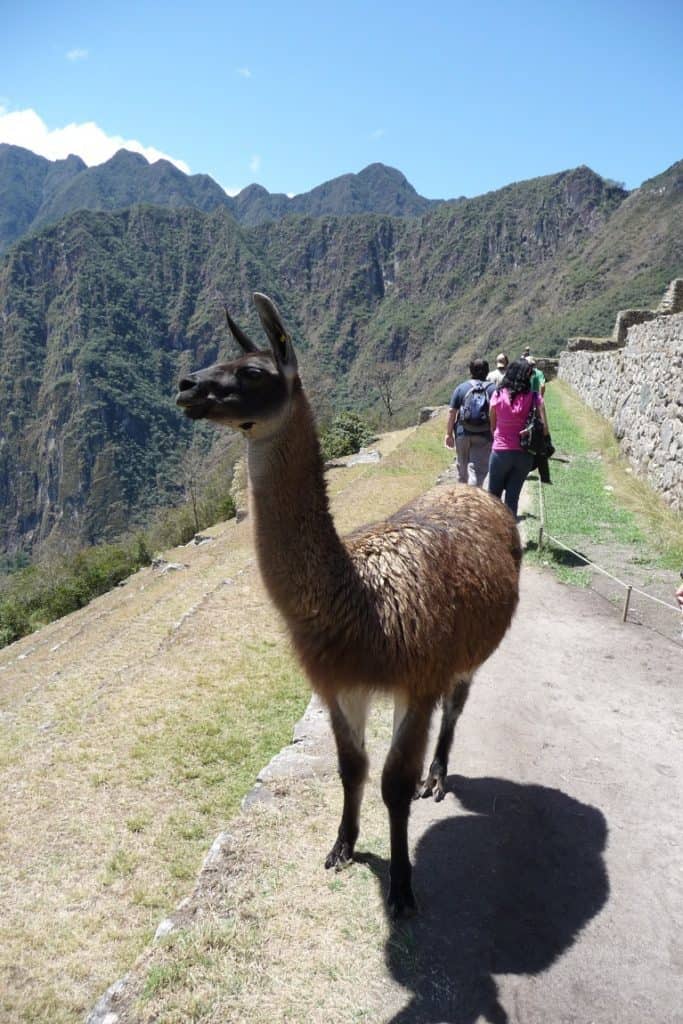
{"x":635,"y":380}
{"x":673,"y":298}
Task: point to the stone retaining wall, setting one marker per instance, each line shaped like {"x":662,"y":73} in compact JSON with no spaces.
{"x":639,"y":388}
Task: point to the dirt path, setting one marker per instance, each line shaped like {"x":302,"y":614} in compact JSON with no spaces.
{"x":616,"y":566}
{"x":549,"y":880}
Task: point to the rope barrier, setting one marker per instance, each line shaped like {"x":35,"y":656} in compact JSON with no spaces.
{"x":543,"y":534}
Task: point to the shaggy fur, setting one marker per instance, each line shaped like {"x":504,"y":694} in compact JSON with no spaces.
{"x":407,"y":603}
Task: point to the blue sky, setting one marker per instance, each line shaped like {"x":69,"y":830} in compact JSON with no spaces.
{"x":461,"y":97}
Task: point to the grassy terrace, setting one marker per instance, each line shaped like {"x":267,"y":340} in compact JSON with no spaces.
{"x":131,"y":729}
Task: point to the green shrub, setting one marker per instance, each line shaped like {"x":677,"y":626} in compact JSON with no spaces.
{"x":14,"y":620}
{"x":347,"y":434}
{"x":38,"y":594}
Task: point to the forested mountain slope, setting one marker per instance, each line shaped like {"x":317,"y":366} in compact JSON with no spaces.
{"x":100,"y":313}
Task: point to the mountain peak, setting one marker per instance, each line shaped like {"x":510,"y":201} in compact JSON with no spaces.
{"x":252,"y":191}
{"x":126,"y":158}
{"x":379,"y":170}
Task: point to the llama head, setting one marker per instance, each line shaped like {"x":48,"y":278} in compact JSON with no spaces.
{"x":252,"y":393}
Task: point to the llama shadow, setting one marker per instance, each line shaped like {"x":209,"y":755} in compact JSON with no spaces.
{"x":503,"y":890}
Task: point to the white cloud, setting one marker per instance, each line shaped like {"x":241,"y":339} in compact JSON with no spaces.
{"x":25,"y":128}
{"x":244,"y":72}
{"x":377,"y":134}
{"x":255,"y":163}
{"x":77,"y":54}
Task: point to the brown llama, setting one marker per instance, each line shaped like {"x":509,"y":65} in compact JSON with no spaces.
{"x":412,"y":605}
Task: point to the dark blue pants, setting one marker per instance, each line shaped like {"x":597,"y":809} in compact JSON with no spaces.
{"x":507,"y":472}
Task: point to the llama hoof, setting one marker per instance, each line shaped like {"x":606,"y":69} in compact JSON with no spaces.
{"x":401,"y":903}
{"x":424,"y":789}
{"x":340,"y":856}
{"x":431,"y":786}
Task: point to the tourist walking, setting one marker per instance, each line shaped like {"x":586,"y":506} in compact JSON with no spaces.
{"x":537,"y":377}
{"x":496,"y":376}
{"x":469,"y":418}
{"x":511,"y":405}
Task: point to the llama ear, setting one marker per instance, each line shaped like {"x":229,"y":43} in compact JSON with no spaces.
{"x":243,"y":340}
{"x":279,"y":339}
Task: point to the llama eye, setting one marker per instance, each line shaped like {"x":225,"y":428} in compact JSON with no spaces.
{"x":251,"y":372}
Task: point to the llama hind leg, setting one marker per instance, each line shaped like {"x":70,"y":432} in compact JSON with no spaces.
{"x":348,"y":715}
{"x":399,"y":778}
{"x":434,"y":784}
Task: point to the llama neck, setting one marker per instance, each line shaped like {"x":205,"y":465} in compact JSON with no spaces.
{"x":299,"y":550}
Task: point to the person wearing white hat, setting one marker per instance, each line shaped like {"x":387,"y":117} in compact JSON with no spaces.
{"x":496,"y":376}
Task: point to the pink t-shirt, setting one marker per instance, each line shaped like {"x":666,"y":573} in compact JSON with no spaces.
{"x":511,"y":417}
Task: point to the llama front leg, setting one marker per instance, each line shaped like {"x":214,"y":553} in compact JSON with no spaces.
{"x":348,"y":715}
{"x":399,"y":778}
{"x":453,"y":704}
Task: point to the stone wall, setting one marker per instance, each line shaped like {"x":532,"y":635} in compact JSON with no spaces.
{"x":639,"y":388}
{"x":673,"y":298}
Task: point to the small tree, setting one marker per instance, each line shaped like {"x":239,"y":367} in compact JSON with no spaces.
{"x":384,"y":380}
{"x":192,"y":477}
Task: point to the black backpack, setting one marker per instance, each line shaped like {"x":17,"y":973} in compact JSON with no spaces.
{"x":474,"y":411}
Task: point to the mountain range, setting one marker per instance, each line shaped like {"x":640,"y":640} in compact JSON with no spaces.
{"x":35,"y":192}
{"x":102,"y":310}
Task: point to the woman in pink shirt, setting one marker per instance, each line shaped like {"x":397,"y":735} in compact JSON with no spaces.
{"x":510,"y":406}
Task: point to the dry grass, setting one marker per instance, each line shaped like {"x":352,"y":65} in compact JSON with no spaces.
{"x":260,"y":948}
{"x":131,"y":743}
{"x":131,"y":729}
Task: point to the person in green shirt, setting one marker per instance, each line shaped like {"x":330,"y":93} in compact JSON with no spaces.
{"x":537,"y":377}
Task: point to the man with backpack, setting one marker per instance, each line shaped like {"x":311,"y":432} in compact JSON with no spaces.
{"x":469,"y":415}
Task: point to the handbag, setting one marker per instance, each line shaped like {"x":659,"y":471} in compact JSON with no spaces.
{"x":531,"y":436}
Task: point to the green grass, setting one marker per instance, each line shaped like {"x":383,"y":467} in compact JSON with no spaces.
{"x":595,"y":498}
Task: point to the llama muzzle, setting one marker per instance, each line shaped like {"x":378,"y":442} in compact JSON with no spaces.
{"x":193,"y":398}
